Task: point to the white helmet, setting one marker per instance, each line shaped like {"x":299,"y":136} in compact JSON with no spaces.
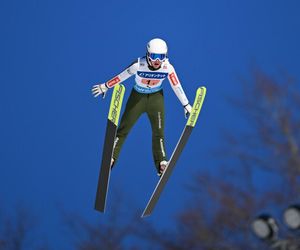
{"x":157,"y":46}
{"x":157,"y":49}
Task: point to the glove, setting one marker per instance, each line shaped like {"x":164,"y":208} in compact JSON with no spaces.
{"x":99,"y":89}
{"x":187,"y":110}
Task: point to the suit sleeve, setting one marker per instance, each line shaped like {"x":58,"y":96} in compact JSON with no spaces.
{"x":124,"y":75}
{"x":176,"y":86}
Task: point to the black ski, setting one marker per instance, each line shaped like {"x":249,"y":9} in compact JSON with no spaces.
{"x":200,"y":95}
{"x":110,"y":135}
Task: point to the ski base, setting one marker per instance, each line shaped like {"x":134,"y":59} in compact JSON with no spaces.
{"x":110,"y":135}
{"x":111,"y":130}
{"x":200,"y":95}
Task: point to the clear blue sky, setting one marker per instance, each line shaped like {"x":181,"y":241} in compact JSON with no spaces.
{"x":52,"y":129}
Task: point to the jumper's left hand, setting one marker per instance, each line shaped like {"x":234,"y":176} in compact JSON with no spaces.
{"x":187,"y":110}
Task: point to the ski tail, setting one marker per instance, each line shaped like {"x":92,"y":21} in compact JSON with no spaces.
{"x":199,"y":99}
{"x":110,"y":134}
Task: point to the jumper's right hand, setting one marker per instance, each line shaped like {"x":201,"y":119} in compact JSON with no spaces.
{"x":99,"y":89}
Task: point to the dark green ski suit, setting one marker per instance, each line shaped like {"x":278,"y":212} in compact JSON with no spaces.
{"x":153,"y":106}
{"x":147,"y":97}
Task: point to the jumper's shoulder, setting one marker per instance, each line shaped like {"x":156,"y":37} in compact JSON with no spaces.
{"x":133,"y":67}
{"x":167,"y":66}
{"x":142,"y":61}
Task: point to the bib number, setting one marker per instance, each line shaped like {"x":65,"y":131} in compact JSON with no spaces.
{"x":150,"y":82}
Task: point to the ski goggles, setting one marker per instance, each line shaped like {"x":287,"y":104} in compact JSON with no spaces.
{"x":154,"y":56}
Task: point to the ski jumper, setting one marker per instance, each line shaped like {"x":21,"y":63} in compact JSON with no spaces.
{"x":147,"y":97}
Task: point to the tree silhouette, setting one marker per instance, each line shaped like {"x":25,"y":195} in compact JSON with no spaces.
{"x":111,"y":231}
{"x":19,"y":231}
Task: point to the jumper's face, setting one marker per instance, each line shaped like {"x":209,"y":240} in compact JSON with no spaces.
{"x":155,"y":60}
{"x":155,"y":64}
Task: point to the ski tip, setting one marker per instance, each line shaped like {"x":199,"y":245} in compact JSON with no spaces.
{"x":116,"y":103}
{"x":122,"y":87}
{"x":199,"y":99}
{"x":202,"y":89}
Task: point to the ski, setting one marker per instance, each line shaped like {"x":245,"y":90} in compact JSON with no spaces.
{"x":110,"y":135}
{"x":200,"y":95}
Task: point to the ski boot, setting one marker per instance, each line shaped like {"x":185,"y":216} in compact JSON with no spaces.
{"x":112,"y":162}
{"x":162,"y":167}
